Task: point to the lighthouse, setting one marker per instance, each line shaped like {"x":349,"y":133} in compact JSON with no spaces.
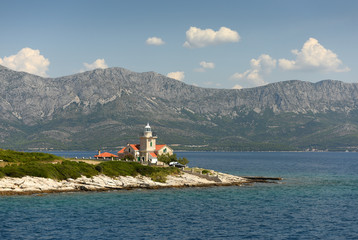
{"x":148,"y":143}
{"x":148,"y":150}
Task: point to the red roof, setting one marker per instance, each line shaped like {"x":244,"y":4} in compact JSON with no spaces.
{"x":105,"y":155}
{"x":153,"y":155}
{"x":121,"y":151}
{"x":135,"y":146}
{"x":159,"y":146}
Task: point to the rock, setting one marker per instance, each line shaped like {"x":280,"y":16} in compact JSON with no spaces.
{"x":102,"y":182}
{"x":82,"y":188}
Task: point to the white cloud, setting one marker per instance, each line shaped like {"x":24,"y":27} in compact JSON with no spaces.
{"x":27,"y":60}
{"x":205,"y":65}
{"x":255,"y":75}
{"x":176,"y":75}
{"x":212,"y":84}
{"x":197,"y":38}
{"x":313,"y":56}
{"x":99,"y":63}
{"x":237,"y":86}
{"x":155,"y":41}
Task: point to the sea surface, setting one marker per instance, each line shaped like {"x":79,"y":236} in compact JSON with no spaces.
{"x":318,"y":199}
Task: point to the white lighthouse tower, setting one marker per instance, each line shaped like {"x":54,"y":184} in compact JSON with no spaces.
{"x":147,"y":143}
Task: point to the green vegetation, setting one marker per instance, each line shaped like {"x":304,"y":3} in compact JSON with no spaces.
{"x":118,"y":168}
{"x":129,"y":157}
{"x":166,"y":158}
{"x":26,"y":164}
{"x":14,"y":156}
{"x":59,"y":171}
{"x":205,"y":171}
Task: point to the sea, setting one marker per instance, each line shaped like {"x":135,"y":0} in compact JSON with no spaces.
{"x":317,"y":199}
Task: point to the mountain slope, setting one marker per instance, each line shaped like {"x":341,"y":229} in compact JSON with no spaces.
{"x":109,"y":107}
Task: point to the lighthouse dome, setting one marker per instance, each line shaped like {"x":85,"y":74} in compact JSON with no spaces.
{"x":148,"y":128}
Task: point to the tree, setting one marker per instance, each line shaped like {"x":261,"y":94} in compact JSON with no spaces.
{"x":166,"y":158}
{"x":128,"y":157}
{"x":183,"y":161}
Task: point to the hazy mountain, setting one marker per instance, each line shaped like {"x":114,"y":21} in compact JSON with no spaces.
{"x":110,"y":107}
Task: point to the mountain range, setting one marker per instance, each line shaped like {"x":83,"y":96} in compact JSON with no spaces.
{"x":108,"y":108}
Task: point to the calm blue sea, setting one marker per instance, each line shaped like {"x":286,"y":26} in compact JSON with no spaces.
{"x":318,"y":199}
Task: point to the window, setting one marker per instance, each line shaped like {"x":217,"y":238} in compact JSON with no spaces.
{"x":165,"y":150}
{"x":151,"y":144}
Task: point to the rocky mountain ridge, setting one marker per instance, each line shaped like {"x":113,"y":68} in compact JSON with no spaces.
{"x":59,"y":110}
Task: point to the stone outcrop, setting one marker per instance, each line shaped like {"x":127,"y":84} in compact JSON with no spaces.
{"x":31,"y":185}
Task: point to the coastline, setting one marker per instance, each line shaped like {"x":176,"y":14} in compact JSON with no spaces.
{"x":37,"y":185}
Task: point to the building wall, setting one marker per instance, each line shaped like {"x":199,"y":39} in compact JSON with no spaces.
{"x":164,"y":150}
{"x":129,"y":150}
{"x":148,"y":143}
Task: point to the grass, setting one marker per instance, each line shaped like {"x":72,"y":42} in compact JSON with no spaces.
{"x":118,"y":168}
{"x":14,"y":156}
{"x":43,"y":165}
{"x":59,"y":171}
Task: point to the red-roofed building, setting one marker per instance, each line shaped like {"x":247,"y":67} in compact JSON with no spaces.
{"x":131,"y":149}
{"x":147,"y":150}
{"x":153,"y":158}
{"x":105,"y":156}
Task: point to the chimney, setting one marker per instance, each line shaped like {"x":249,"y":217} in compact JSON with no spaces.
{"x":99,"y":152}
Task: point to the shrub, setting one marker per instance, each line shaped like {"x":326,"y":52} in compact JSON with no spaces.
{"x":71,"y":169}
{"x":205,"y":171}
{"x":99,"y":168}
{"x":60,"y":171}
{"x":159,"y":177}
{"x":128,"y":157}
{"x":14,"y":156}
{"x":183,"y":161}
{"x":166,"y":158}
{"x":118,"y":168}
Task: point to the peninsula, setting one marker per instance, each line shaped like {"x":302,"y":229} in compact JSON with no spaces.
{"x":24,"y":173}
{"x":144,"y":165}
{"x":31,"y":173}
{"x":36,"y":185}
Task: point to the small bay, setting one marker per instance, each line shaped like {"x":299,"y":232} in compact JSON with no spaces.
{"x":316,"y":200}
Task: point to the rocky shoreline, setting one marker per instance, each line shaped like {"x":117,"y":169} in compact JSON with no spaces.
{"x":36,"y":185}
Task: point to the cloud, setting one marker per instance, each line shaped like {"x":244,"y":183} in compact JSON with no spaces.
{"x":313,"y":56}
{"x":99,"y":63}
{"x":176,"y":75}
{"x":27,"y":60}
{"x":205,"y":65}
{"x":197,"y":38}
{"x":237,"y":86}
{"x":155,"y":41}
{"x":258,"y":69}
{"x":212,"y":84}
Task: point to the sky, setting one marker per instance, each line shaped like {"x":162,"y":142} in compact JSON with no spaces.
{"x":215,"y":44}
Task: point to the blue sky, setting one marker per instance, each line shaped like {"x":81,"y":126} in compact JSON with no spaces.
{"x":218,"y":44}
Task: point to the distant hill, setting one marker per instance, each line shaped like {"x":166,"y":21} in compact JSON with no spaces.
{"x":106,"y":108}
